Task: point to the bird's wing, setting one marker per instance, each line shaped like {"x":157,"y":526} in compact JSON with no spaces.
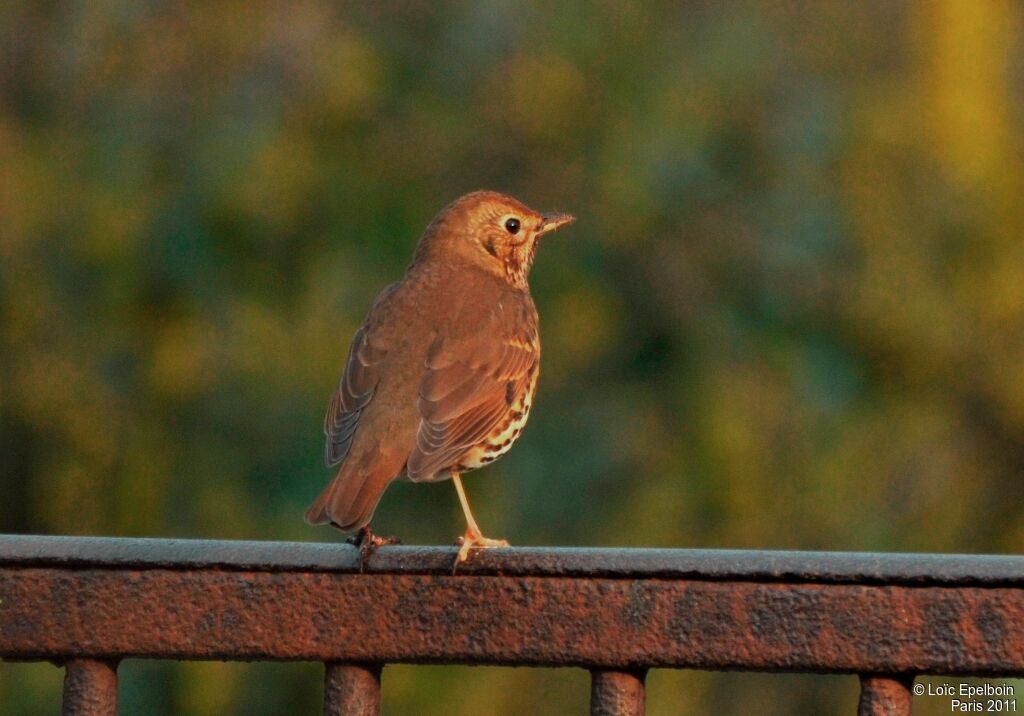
{"x":468,"y":386}
{"x":362,"y":372}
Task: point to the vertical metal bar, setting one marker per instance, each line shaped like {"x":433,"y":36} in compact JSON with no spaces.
{"x":885,"y":695}
{"x":617,"y":693}
{"x":90,"y":688}
{"x":352,"y":689}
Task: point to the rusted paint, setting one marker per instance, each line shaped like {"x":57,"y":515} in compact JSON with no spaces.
{"x":90,"y":688}
{"x":352,"y":689}
{"x":885,"y":695}
{"x":619,"y":624}
{"x":617,"y":693}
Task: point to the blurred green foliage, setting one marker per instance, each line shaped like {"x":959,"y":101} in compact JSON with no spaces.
{"x":791,"y":314}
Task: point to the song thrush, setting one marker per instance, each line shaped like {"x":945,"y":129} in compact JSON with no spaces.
{"x":441,"y":375}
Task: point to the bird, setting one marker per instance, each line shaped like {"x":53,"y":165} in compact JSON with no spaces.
{"x":441,"y":375}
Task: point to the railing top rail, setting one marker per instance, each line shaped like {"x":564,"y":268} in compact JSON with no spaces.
{"x":612,"y":563}
{"x":622,"y":609}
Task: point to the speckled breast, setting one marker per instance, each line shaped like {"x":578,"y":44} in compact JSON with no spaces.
{"x":501,"y":439}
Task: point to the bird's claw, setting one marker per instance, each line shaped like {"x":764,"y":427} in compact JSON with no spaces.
{"x":474,"y":539}
{"x":367,"y":542}
{"x":366,"y":537}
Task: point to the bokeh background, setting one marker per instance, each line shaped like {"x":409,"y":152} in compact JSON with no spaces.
{"x":791,"y":314}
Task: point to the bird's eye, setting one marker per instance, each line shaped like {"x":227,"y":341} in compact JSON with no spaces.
{"x":512,"y":226}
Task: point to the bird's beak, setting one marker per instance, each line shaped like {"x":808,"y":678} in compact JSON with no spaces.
{"x":550,"y":222}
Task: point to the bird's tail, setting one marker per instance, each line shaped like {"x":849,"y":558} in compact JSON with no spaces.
{"x":352,"y":496}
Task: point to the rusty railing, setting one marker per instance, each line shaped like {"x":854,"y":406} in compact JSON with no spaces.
{"x":88,"y":602}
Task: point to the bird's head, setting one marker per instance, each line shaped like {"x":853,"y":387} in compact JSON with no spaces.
{"x":491,"y":230}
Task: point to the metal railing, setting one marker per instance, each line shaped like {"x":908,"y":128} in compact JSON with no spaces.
{"x":88,"y":602}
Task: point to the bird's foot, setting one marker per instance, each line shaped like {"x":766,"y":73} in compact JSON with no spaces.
{"x":366,"y":542}
{"x":474,"y":539}
{"x":365,"y":536}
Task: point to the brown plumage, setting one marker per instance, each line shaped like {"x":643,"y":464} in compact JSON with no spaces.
{"x":441,"y":375}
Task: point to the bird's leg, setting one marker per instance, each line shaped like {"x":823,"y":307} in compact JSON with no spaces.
{"x":473,"y":537}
